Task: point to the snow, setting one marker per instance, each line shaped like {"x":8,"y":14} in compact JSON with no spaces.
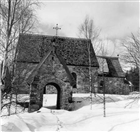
{"x":122,"y":114}
{"x":49,"y":100}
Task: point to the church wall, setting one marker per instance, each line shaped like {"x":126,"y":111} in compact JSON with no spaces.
{"x":81,"y":72}
{"x":114,"y":86}
{"x":52,"y":71}
{"x":83,"y":78}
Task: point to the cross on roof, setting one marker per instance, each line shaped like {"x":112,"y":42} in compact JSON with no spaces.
{"x":56,"y":28}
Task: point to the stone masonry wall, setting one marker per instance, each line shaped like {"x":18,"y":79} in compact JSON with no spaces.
{"x":83,"y":78}
{"x":114,"y":86}
{"x":51,"y":72}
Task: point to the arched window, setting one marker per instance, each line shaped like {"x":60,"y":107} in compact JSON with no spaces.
{"x":75,"y":77}
{"x":101,"y":84}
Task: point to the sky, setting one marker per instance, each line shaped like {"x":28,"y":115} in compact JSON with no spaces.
{"x":116,"y":19}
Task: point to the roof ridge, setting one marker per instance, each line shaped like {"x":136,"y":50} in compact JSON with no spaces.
{"x":42,"y":35}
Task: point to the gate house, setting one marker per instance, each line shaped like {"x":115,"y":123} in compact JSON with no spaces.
{"x":59,"y":61}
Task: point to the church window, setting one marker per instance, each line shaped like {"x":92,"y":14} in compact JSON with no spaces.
{"x":75,"y":77}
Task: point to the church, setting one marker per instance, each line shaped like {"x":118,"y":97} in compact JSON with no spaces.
{"x":62,"y":62}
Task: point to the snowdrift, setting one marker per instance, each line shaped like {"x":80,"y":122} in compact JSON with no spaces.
{"x":122,"y":114}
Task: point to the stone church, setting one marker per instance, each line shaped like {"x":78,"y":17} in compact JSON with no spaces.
{"x":62,"y":62}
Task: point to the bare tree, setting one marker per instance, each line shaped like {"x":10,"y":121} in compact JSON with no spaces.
{"x":131,"y":52}
{"x":102,"y":62}
{"x":16,"y":16}
{"x":131,"y":55}
{"x":89,"y":31}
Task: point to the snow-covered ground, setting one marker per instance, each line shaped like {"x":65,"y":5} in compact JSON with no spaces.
{"x":122,"y":114}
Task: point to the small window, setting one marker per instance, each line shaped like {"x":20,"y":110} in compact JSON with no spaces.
{"x":101,"y":84}
{"x":52,"y":58}
{"x":75,"y":77}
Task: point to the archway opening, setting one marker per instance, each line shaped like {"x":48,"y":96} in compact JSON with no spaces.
{"x":51,"y":96}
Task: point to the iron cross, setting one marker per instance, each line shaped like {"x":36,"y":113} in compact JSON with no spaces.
{"x":56,"y":28}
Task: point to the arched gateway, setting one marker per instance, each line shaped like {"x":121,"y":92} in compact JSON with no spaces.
{"x":59,"y":93}
{"x":51,"y":70}
{"x":59,"y":86}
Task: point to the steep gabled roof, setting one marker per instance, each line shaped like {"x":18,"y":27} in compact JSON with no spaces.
{"x":29,"y":79}
{"x":114,"y":67}
{"x":32,"y":48}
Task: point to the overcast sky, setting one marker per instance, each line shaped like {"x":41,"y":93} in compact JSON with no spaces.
{"x":116,"y":19}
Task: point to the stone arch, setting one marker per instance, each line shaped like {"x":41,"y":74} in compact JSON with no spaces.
{"x":51,"y":87}
{"x":59,"y":93}
{"x":58,"y":85}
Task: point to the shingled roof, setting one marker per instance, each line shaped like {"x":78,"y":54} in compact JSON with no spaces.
{"x":32,"y":48}
{"x":114,"y":67}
